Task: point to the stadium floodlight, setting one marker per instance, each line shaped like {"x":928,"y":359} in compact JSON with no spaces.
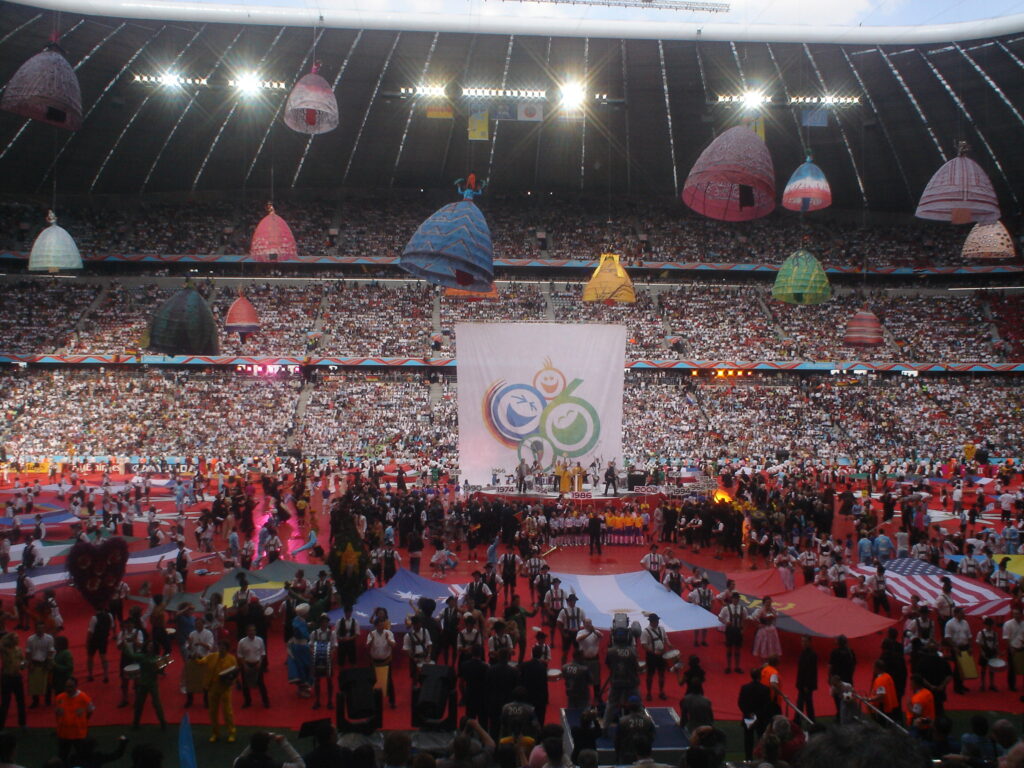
{"x":754,"y":99}
{"x":248,"y":83}
{"x":573,"y":94}
{"x":658,"y":5}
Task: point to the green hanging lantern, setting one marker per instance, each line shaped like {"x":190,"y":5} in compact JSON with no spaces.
{"x":184,"y":325}
{"x":801,"y":280}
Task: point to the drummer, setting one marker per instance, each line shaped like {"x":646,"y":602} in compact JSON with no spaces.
{"x":588,"y":641}
{"x":147,"y":665}
{"x":252,"y":654}
{"x":322,"y":640}
{"x":416,"y":645}
{"x":654,"y":640}
{"x":221,"y":669}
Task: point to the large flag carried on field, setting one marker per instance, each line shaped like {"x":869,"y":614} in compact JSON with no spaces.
{"x":909,"y":576}
{"x":638,"y":595}
{"x":540,"y":392}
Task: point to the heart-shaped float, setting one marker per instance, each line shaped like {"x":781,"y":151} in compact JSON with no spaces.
{"x":97,"y":570}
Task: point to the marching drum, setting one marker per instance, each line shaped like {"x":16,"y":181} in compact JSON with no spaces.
{"x":132,"y":671}
{"x":670,"y":655}
{"x":642,"y":665}
{"x":322,"y":655}
{"x":554,"y":675}
{"x":997,"y":663}
{"x":227,"y":676}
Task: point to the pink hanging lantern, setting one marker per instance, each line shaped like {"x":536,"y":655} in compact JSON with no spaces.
{"x":864,"y":330}
{"x":988,"y":241}
{"x":960,"y":192}
{"x":312,"y":107}
{"x":273,"y":239}
{"x":733,"y":179}
{"x":242,"y":317}
{"x":45,"y":88}
{"x":807,"y":189}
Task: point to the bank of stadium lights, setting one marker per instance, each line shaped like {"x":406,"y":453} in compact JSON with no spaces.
{"x":248,"y":83}
{"x":755,"y":99}
{"x":168,"y":79}
{"x":427,"y":91}
{"x":527,"y":94}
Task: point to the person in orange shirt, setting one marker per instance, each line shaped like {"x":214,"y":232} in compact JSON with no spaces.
{"x":73,"y":710}
{"x":883,"y":693}
{"x":770,"y":677}
{"x":921,"y":714}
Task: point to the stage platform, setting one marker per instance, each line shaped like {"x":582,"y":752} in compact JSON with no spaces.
{"x":669,"y":742}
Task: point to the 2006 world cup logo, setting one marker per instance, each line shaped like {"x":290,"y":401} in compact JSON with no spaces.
{"x":544,"y":419}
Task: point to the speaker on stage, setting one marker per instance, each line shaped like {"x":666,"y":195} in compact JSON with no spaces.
{"x":435,"y":703}
{"x":360,"y":706}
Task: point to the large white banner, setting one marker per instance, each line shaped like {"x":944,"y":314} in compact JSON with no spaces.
{"x":539,"y":392}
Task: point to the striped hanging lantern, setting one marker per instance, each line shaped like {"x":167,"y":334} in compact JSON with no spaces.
{"x":801,"y":280}
{"x":733,"y":179}
{"x":242,"y":317}
{"x":45,"y":88}
{"x":54,"y":249}
{"x":610,"y":282}
{"x":960,"y":192}
{"x":273,"y":240}
{"x":312,"y":107}
{"x":184,"y":325}
{"x":453,"y":247}
{"x":864,"y":330}
{"x":988,"y":241}
{"x":807,"y":189}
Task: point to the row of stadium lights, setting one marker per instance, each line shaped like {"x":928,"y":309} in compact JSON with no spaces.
{"x":755,"y":99}
{"x":573,"y":94}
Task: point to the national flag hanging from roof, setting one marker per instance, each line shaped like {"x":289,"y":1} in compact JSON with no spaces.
{"x":909,"y":576}
{"x":814,"y":118}
{"x":478,"y":126}
{"x":440,"y":112}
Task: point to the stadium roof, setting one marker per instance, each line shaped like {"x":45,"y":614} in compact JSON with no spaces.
{"x":652,"y":106}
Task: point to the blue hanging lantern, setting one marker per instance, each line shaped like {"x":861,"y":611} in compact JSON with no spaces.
{"x":807,"y":190}
{"x":453,"y":247}
{"x":184,"y":325}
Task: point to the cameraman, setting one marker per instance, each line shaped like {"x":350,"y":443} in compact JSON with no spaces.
{"x":623,"y":673}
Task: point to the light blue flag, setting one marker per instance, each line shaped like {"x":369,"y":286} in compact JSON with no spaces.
{"x":186,"y":746}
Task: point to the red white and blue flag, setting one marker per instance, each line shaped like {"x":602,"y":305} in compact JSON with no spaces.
{"x":909,"y":576}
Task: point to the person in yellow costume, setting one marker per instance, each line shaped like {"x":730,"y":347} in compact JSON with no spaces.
{"x":219,"y":682}
{"x":578,"y":475}
{"x":564,"y":474}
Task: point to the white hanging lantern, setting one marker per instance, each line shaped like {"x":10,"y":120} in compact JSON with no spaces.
{"x":54,"y":249}
{"x":312,"y":107}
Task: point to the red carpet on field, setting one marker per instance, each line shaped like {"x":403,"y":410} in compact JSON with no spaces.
{"x":288,"y":709}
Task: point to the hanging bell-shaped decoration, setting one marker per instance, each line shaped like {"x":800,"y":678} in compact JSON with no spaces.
{"x":960,"y":192}
{"x":54,"y":249}
{"x":273,"y":239}
{"x":988,"y":241}
{"x":45,"y":88}
{"x":453,"y":247}
{"x":807,"y":189}
{"x":184,"y":325}
{"x":864,"y":330}
{"x":241,"y":317}
{"x":459,"y":293}
{"x":733,"y":179}
{"x":312,"y":107}
{"x":801,"y":280}
{"x":610,"y":282}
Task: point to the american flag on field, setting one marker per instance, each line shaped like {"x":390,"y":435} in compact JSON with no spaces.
{"x":909,"y":576}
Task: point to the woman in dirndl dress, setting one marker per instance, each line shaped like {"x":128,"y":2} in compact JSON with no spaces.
{"x":766,"y":641}
{"x":300,"y":656}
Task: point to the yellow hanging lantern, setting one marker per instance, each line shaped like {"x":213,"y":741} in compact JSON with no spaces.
{"x":610,"y":282}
